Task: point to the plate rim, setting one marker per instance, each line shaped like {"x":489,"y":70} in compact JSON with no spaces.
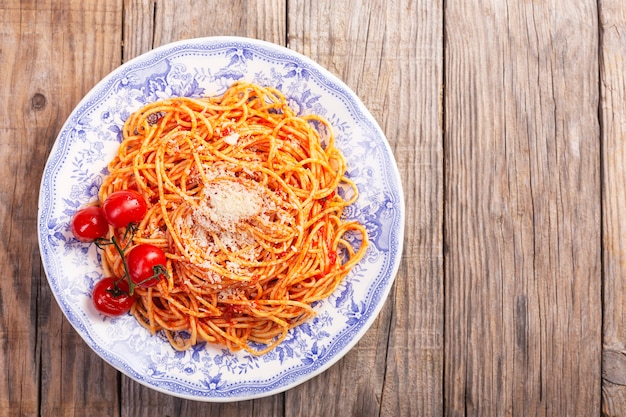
{"x":105,"y":83}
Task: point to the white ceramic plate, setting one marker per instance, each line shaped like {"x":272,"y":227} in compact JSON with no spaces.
{"x":89,"y":140}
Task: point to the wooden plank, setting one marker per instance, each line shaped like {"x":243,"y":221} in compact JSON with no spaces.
{"x":612,"y":119}
{"x":411,"y":117}
{"x":49,"y":58}
{"x":76,"y":382}
{"x":522,"y":221}
{"x":330,"y":33}
{"x":151,"y":24}
{"x":398,"y":71}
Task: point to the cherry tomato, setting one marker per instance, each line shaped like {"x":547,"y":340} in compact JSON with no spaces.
{"x":89,"y":224}
{"x":110,"y":300}
{"x":124,"y":207}
{"x":146,"y":265}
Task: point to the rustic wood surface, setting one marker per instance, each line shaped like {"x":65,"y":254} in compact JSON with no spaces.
{"x":507,"y":119}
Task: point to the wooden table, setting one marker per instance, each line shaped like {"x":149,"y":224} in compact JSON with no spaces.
{"x":508,"y":122}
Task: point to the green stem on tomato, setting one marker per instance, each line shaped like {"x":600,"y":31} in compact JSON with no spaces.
{"x":157,"y":270}
{"x":129,"y":234}
{"x":130,"y":230}
{"x":120,"y":250}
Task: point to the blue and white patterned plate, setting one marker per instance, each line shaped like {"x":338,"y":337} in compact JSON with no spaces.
{"x":89,"y":140}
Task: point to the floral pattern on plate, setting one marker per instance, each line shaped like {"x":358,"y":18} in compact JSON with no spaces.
{"x":89,"y":140}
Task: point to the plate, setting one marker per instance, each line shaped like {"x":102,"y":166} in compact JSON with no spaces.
{"x":77,"y":165}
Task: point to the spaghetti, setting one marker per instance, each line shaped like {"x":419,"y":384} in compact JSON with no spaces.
{"x":243,"y":197}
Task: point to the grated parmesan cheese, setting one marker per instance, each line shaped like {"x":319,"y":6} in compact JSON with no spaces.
{"x":232,"y":138}
{"x":229,"y":203}
{"x":232,"y":210}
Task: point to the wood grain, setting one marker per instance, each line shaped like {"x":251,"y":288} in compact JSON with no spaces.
{"x":399,"y":72}
{"x":329,"y":33}
{"x":612,"y":120}
{"x":507,"y":120}
{"x":45,"y":72}
{"x":148,"y":24}
{"x":522,"y":220}
{"x":152,"y":24}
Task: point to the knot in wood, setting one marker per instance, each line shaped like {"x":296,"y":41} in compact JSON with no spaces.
{"x":38,"y":101}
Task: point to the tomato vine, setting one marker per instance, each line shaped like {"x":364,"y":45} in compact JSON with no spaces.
{"x":114,"y":296}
